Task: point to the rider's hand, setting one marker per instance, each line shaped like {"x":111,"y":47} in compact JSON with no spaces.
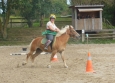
{"x":57,"y":30}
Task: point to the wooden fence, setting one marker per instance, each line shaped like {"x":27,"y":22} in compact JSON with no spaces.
{"x":103,"y":34}
{"x":19,"y":22}
{"x":13,"y":22}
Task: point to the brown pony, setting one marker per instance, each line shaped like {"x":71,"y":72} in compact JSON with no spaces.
{"x":59,"y":45}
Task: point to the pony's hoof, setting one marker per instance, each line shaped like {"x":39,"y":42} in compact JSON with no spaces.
{"x":32,"y":65}
{"x":66,"y":66}
{"x":18,"y":66}
{"x":24,"y":63}
{"x":49,"y":66}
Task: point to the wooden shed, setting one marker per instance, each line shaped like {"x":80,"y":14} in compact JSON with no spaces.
{"x":87,"y":17}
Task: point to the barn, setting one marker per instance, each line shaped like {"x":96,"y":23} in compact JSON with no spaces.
{"x":87,"y":17}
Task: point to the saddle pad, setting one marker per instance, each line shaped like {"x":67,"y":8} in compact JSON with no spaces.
{"x":44,"y":40}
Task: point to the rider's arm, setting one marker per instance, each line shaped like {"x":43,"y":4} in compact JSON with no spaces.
{"x":50,"y":27}
{"x":57,"y":29}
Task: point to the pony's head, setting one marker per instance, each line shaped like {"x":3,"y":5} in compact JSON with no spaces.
{"x":73,"y":33}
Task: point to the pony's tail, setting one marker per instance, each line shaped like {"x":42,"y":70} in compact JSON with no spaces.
{"x":31,"y":43}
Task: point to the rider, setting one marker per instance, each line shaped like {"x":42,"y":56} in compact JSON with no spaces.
{"x":51,"y":30}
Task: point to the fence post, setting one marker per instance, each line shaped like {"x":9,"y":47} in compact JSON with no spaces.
{"x":83,"y":35}
{"x":113,"y":35}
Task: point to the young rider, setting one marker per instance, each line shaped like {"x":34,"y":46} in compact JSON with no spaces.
{"x":51,"y":30}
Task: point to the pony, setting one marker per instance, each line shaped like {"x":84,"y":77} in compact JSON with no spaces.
{"x":59,"y":46}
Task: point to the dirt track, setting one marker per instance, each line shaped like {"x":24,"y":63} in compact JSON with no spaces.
{"x":103,"y":60}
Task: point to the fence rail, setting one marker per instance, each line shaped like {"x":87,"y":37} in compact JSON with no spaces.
{"x":103,"y":34}
{"x":22,"y":21}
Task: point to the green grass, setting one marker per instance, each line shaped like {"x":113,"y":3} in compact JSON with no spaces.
{"x":23,"y":36}
{"x":91,"y":41}
{"x":107,"y":26}
{"x":17,"y":20}
{"x":60,"y":19}
{"x":11,"y":43}
{"x":36,"y":24}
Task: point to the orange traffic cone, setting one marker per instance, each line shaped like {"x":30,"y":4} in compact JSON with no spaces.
{"x":54,"y":59}
{"x":89,"y":67}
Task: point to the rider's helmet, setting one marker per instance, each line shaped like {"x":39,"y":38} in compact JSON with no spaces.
{"x":52,"y":16}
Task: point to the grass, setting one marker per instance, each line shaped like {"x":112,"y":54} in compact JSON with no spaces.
{"x":60,"y":19}
{"x":107,"y":26}
{"x":91,"y":41}
{"x":36,"y":24}
{"x":17,"y":20}
{"x":23,"y":36}
{"x":11,"y":43}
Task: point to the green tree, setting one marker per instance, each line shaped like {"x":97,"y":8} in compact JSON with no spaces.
{"x":85,"y":2}
{"x":38,"y":9}
{"x":59,"y":6}
{"x":47,"y":7}
{"x":5,"y":17}
{"x":31,"y":9}
{"x":27,"y":9}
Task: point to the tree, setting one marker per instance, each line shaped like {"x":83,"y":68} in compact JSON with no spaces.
{"x":85,"y":2}
{"x":5,"y":15}
{"x":31,"y":9}
{"x":59,"y":6}
{"x":47,"y":7}
{"x":27,"y":9}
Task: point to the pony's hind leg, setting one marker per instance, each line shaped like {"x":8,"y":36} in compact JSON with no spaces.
{"x":37,"y":52}
{"x":27,"y":57}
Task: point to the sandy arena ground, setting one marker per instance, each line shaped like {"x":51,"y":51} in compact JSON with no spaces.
{"x":103,"y":61}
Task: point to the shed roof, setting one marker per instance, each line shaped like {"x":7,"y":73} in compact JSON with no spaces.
{"x":89,"y":9}
{"x":87,"y":6}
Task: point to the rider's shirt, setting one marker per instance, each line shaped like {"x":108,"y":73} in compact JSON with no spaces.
{"x":48,"y":31}
{"x":51,"y":24}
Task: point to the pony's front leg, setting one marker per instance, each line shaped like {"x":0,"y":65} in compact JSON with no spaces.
{"x":49,"y":65}
{"x":63,"y":58}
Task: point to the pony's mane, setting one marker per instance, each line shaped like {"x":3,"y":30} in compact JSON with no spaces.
{"x":62,"y":31}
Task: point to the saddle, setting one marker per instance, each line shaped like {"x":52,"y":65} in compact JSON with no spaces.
{"x":44,"y":40}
